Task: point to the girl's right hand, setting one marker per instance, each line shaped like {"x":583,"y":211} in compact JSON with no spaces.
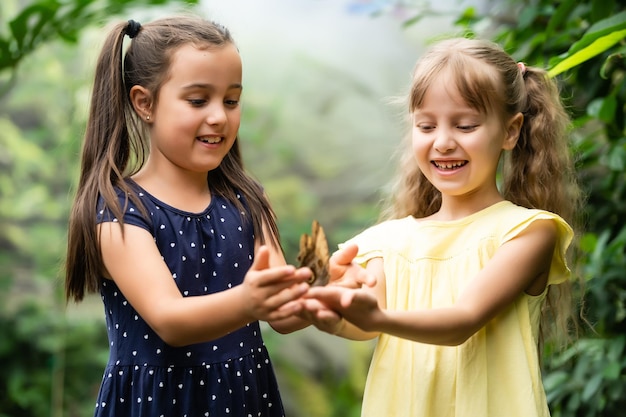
{"x":345,"y":272}
{"x":320,"y":316}
{"x":273,"y":293}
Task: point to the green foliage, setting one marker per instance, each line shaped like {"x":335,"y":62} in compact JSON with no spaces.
{"x":42,"y":21}
{"x":600,"y":37}
{"x":48,"y":363}
{"x":588,"y":378}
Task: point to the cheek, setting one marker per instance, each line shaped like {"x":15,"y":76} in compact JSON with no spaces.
{"x":175,"y":118}
{"x":420,"y":156}
{"x":420,"y":146}
{"x":234,"y":119}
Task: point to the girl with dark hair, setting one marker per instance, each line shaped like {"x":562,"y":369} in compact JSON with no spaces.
{"x":180,"y":242}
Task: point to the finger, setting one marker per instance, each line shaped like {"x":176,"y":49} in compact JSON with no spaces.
{"x":328,"y":316}
{"x":261,"y":259}
{"x":310,"y":309}
{"x":319,"y":293}
{"x":284,"y":275}
{"x":366,"y":278}
{"x":318,"y":309}
{"x":347,"y":298}
{"x":345,"y":255}
{"x":312,"y":304}
{"x":329,"y":296}
{"x":304,"y":273}
{"x":292,"y":308}
{"x":306,"y":315}
{"x":286,"y":295}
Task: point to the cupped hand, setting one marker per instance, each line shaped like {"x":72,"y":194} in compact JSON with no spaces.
{"x":345,"y":272}
{"x":273,"y":293}
{"x":320,"y":316}
{"x":358,"y":306}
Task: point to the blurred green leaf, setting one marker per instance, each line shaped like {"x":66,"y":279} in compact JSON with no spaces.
{"x":599,"y":38}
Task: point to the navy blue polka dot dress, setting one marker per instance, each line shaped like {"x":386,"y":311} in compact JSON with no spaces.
{"x":206,"y":253}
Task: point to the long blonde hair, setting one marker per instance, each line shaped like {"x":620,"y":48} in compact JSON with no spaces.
{"x":538,"y":173}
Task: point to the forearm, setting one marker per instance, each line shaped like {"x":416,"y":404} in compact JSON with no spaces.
{"x":177,"y":321}
{"x":443,"y":326}
{"x":348,"y":330}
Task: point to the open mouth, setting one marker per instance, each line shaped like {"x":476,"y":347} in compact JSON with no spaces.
{"x":210,"y":139}
{"x":448,"y":165}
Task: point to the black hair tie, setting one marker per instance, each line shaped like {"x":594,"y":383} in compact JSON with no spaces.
{"x":133,"y":28}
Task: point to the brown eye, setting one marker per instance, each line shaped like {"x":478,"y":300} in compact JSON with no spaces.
{"x":196,"y":102}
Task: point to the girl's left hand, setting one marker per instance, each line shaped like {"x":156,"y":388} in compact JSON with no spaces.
{"x":272,"y":292}
{"x":346,"y":273}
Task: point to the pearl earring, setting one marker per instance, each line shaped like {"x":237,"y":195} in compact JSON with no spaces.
{"x":148,"y":118}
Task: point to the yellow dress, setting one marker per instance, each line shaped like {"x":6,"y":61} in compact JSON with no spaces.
{"x":495,"y":373}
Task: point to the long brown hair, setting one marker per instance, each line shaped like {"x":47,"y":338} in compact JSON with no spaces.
{"x":538,"y":173}
{"x":116,"y":144}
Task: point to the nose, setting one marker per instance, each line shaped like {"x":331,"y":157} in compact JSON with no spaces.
{"x":444,"y":140}
{"x":216,"y":114}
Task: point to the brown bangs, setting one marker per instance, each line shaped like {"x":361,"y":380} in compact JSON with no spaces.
{"x":475,"y":81}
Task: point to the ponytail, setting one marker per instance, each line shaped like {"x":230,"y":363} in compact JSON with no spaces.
{"x":105,"y":157}
{"x":539,"y":171}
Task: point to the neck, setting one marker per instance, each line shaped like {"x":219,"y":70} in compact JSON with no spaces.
{"x":458,"y":207}
{"x":185,"y":190}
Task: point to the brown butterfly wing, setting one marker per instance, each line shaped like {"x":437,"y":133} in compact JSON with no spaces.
{"x":314,"y":254}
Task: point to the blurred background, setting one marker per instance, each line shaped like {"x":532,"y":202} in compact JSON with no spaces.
{"x":320,"y":129}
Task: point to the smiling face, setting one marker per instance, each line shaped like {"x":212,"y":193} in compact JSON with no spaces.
{"x":458,"y":147}
{"x":197,"y":115}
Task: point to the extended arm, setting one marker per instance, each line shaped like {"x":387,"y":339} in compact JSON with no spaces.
{"x":520,"y":265}
{"x":135,"y":264}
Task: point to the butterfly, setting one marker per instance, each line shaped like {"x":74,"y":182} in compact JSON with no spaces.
{"x":314,"y":254}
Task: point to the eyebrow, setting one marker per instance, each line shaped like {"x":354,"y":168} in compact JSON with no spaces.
{"x":465,"y":111}
{"x":205,"y":86}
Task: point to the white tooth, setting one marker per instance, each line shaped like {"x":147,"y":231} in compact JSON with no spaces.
{"x":210,"y":140}
{"x":449,"y":165}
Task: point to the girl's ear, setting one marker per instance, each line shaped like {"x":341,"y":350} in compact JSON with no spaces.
{"x":513,"y":128}
{"x":141,"y":100}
